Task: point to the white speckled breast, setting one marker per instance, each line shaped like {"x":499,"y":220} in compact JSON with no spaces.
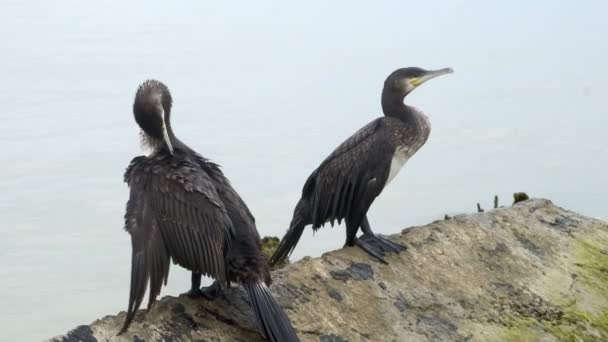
{"x":399,"y":159}
{"x":410,"y":141}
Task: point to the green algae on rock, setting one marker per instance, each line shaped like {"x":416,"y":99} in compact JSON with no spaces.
{"x":269,"y":245}
{"x":520,"y":197}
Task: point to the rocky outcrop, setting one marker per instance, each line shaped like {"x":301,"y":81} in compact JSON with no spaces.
{"x":529,"y":272}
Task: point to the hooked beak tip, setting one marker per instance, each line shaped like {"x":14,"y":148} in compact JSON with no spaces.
{"x":443,"y":71}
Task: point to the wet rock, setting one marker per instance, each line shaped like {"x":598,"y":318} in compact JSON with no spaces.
{"x":342,"y":275}
{"x":533,"y":271}
{"x":361,"y":271}
{"x":335,"y":294}
{"x":331,"y":338}
{"x":356,"y":271}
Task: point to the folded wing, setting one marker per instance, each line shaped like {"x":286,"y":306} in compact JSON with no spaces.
{"x":351,"y":176}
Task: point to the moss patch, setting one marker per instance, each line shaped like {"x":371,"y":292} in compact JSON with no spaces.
{"x":521,"y":328}
{"x":580,"y":326}
{"x":571,"y":323}
{"x":269,"y":245}
{"x":520,"y":197}
{"x":593,"y":267}
{"x":573,"y":326}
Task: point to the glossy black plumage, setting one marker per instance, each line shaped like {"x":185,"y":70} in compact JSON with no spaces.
{"x":183,"y":208}
{"x":347,"y":182}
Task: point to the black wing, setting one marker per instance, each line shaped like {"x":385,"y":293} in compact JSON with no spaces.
{"x":347,"y":181}
{"x":247,"y":244}
{"x":173,"y":211}
{"x":237,"y":210}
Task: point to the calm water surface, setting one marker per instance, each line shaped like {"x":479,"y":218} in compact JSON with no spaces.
{"x":268,"y":92}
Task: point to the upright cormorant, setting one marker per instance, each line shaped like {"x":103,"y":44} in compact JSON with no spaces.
{"x":348,"y":181}
{"x":183,"y":208}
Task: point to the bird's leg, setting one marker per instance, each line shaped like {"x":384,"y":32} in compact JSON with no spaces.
{"x":352,"y":240}
{"x":376,"y":245}
{"x":386,"y":244}
{"x":195,"y":290}
{"x":351,"y":234}
{"x":212,"y":291}
{"x":365,"y":228}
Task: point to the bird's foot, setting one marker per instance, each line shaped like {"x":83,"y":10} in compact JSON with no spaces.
{"x":377,"y":246}
{"x":193,"y":293}
{"x":212,"y":291}
{"x":389,"y":246}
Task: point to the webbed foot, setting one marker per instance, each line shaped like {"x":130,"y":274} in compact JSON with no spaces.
{"x":193,"y":293}
{"x":377,"y":246}
{"x":212,"y":291}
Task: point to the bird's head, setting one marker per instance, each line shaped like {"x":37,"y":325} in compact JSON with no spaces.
{"x":152,"y":109}
{"x":402,"y":81}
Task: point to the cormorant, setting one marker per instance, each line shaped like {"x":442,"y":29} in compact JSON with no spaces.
{"x":348,"y":181}
{"x":182,"y":207}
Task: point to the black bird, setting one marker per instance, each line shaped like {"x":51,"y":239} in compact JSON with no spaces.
{"x":348,"y":181}
{"x":183,"y":208}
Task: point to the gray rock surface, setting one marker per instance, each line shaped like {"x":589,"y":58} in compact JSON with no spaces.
{"x":531,"y":272}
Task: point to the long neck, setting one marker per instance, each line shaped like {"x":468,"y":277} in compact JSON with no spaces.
{"x":393,"y":106}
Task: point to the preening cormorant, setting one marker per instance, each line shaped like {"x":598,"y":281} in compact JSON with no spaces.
{"x":182,"y":208}
{"x":348,"y":181}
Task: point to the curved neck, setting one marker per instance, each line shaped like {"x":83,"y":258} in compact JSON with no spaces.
{"x":175,"y":142}
{"x":157,"y":144}
{"x":393,"y":106}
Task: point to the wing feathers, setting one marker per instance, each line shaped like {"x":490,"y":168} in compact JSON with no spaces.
{"x":343,"y":179}
{"x":174,"y":211}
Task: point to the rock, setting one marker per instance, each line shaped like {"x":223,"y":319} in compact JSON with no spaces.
{"x":532,"y":272}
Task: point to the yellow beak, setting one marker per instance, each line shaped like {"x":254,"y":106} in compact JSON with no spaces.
{"x":430,"y":75}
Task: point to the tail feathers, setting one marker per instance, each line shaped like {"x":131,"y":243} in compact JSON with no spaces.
{"x":272,"y":320}
{"x":139,"y":283}
{"x":288,"y":243}
{"x":148,"y":267}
